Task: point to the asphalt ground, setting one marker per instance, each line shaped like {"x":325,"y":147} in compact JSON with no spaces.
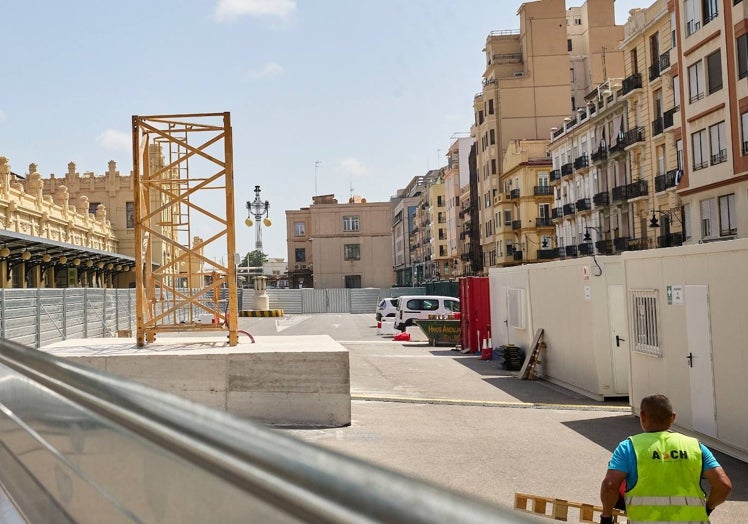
{"x":470,"y":426}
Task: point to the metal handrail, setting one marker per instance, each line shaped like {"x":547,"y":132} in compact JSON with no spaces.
{"x":296,"y":479}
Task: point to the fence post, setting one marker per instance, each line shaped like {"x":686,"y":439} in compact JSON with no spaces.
{"x":2,"y":312}
{"x":85,"y":312}
{"x":38,"y":318}
{"x":64,"y":314}
{"x":103,"y":315}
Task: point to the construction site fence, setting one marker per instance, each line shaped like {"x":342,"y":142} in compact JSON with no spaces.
{"x":80,"y":445}
{"x":41,"y":316}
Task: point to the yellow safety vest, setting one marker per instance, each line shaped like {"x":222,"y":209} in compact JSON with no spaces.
{"x":667,"y":490}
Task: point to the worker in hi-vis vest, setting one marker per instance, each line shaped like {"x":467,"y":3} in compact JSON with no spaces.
{"x":662,"y":470}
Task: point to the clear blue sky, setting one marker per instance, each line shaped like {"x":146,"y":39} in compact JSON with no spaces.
{"x":373,"y":89}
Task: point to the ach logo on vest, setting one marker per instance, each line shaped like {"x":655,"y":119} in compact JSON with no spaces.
{"x":674,"y":454}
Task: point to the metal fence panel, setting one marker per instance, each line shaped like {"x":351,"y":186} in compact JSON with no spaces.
{"x":19,"y":315}
{"x":51,"y":316}
{"x":75,"y":313}
{"x":95,"y":313}
{"x":110,"y":313}
{"x":289,"y":300}
{"x":365,"y":300}
{"x":326,"y":300}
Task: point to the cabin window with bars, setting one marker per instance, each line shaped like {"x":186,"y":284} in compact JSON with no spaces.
{"x":645,"y":322}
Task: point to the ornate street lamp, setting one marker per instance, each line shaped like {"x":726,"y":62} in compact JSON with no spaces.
{"x":258,"y":209}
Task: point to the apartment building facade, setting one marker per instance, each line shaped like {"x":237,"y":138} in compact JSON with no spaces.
{"x":404,"y":205}
{"x":712,"y":43}
{"x":456,"y":192}
{"x":332,"y":245}
{"x":526,"y":89}
{"x":524,"y":230}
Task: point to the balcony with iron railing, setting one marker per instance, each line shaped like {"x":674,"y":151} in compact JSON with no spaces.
{"x":666,"y":181}
{"x":558,"y":132}
{"x":670,"y":240}
{"x":654,"y":71}
{"x":581,"y":162}
{"x":555,"y":175}
{"x":569,"y":209}
{"x":557,"y":213}
{"x":621,"y":243}
{"x":633,"y":136}
{"x":668,"y":117}
{"x":619,"y":146}
{"x":600,"y":155}
{"x":604,"y":247}
{"x":547,"y":254}
{"x":618,"y":193}
{"x":542,"y":191}
{"x":637,"y":189}
{"x":514,"y":194}
{"x":517,"y":255}
{"x":630,"y":83}
{"x":583,"y":204}
{"x":567,"y":169}
{"x":658,"y":125}
{"x":601,"y":199}
{"x":516,"y":224}
{"x":543,"y":222}
{"x":585,"y":249}
{"x":570,"y":251}
{"x":665,"y":61}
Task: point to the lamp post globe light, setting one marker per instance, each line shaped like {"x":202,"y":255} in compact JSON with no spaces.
{"x":258,"y":210}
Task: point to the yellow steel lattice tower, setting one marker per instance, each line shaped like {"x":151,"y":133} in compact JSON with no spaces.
{"x":178,"y":286}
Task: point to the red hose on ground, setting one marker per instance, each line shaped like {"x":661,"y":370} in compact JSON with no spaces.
{"x":246,"y":333}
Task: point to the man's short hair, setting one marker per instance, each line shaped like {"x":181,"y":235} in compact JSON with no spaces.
{"x":658,"y":408}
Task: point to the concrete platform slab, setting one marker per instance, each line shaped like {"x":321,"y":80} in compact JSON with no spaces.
{"x":294,"y":380}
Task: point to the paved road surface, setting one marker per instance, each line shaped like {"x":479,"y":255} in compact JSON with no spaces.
{"x":468,"y":425}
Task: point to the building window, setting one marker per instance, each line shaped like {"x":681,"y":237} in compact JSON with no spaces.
{"x":130,"y":214}
{"x":679,"y":154}
{"x":691,"y":18}
{"x":507,"y":217}
{"x":714,"y":71}
{"x":490,"y":106}
{"x":742,"y":45}
{"x":568,"y":44}
{"x":299,"y":229}
{"x":717,"y":143}
{"x":686,"y":220}
{"x":350,"y":223}
{"x":700,"y":150}
{"x":744,"y":131}
{"x":727,"y":220}
{"x":352,"y":281}
{"x":92,"y":207}
{"x":708,"y":217}
{"x":673,"y":39}
{"x":676,"y":91}
{"x":300,"y":254}
{"x":352,"y":252}
{"x":696,"y":82}
{"x":645,"y":317}
{"x":577,"y":20}
{"x":493,"y":166}
{"x":709,"y":10}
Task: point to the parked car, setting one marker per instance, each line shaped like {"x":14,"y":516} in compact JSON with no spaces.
{"x":419,"y":307}
{"x":387,"y":307}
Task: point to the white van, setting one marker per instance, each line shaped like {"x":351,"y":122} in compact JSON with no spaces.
{"x":417,"y":307}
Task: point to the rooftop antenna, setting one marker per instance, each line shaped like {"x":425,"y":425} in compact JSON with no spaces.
{"x":316,"y":165}
{"x":351,"y":187}
{"x":605,"y":71}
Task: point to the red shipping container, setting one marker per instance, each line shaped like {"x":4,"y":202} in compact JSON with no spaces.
{"x":475,"y":312}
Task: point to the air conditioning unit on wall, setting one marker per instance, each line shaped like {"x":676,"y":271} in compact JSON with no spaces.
{"x":519,"y":73}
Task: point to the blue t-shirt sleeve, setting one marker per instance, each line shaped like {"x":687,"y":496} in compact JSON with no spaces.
{"x":707,"y":459}
{"x":624,"y":459}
